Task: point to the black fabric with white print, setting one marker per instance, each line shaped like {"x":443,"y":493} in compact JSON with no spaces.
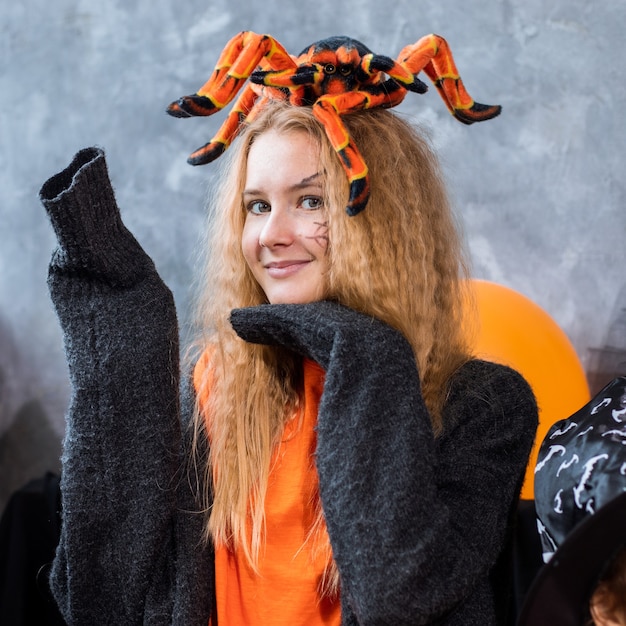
{"x":581,"y":465}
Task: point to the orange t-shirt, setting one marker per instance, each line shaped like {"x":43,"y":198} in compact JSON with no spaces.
{"x":285,"y":591}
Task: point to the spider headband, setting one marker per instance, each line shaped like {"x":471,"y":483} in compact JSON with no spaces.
{"x":334,"y":76}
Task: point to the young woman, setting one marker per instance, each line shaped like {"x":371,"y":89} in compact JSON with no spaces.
{"x":348,"y":461}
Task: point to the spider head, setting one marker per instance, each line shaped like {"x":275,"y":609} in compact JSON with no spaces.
{"x":334,"y":44}
{"x":338,"y":61}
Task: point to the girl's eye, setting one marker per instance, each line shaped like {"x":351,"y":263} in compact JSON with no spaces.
{"x":312,"y":202}
{"x":257,"y":207}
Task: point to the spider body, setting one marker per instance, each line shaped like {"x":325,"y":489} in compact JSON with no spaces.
{"x":334,"y":66}
{"x":334,"y":76}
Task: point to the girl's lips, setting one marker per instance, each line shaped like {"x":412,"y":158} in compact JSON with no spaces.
{"x":284,"y":269}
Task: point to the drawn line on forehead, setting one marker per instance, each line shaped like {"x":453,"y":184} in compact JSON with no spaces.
{"x":307,"y":181}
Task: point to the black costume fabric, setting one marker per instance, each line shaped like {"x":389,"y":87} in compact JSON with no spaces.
{"x":580,"y":497}
{"x":581,"y":465}
{"x":417,"y":524}
{"x":29,"y":533}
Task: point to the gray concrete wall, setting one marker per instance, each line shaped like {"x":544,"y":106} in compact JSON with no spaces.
{"x":540,"y":189}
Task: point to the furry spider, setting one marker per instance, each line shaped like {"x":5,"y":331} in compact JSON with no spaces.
{"x":335,"y":76}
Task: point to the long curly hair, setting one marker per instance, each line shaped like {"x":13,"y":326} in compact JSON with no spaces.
{"x":400,"y":260}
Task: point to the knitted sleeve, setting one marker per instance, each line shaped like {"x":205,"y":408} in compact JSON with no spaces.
{"x":416,"y":524}
{"x":120,"y":539}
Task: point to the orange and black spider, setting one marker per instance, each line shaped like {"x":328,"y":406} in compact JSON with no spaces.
{"x":334,"y":76}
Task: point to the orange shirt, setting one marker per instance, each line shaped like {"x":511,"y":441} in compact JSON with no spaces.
{"x":285,"y":591}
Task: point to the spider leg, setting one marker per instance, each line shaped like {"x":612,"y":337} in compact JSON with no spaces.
{"x":240,"y":57}
{"x":239,"y":113}
{"x":303,"y":75}
{"x":433,"y":55}
{"x":327,"y":110}
{"x":298,"y":86}
{"x":395,"y":70}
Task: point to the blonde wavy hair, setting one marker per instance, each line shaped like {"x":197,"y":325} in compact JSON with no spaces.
{"x":400,"y":260}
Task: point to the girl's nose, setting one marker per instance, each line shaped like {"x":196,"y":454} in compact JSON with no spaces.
{"x":278,"y":229}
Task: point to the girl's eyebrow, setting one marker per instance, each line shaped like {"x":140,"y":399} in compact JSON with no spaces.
{"x":307,"y":181}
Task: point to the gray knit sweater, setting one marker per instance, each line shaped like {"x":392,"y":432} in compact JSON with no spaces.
{"x":417,"y":525}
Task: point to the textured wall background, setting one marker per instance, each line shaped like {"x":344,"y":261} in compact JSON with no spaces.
{"x":540,"y":189}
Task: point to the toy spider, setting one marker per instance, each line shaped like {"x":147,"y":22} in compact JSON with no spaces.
{"x":335,"y":76}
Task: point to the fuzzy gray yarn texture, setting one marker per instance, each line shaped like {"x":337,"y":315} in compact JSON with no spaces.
{"x":417,"y":524}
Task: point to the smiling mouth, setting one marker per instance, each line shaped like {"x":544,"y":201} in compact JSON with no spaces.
{"x":284,"y":269}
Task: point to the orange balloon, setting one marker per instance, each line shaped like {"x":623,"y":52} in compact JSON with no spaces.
{"x":514,"y":331}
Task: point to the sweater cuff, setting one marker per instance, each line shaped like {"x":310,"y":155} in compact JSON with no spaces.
{"x":92,"y":238}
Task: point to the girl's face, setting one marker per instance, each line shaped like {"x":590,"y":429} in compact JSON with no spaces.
{"x":285,"y":236}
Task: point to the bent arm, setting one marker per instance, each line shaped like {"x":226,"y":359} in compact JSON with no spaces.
{"x":416,"y":524}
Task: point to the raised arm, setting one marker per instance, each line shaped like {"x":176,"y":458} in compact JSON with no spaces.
{"x":122,"y":447}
